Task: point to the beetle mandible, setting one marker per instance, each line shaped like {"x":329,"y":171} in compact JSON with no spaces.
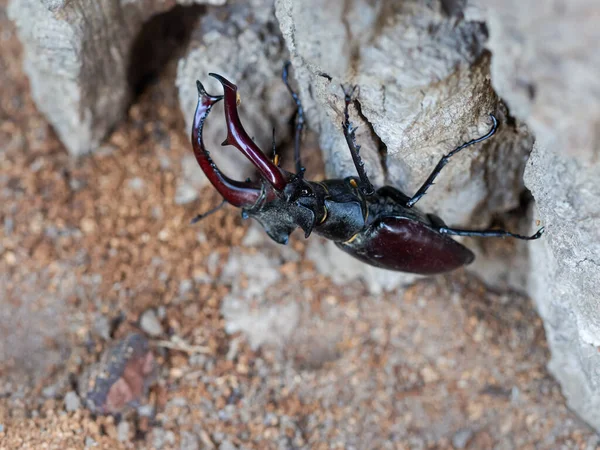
{"x":379,"y":227}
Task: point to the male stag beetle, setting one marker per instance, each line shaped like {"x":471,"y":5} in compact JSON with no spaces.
{"x":381,"y":228}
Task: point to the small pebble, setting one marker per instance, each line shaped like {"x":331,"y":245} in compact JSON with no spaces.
{"x":76,"y":185}
{"x":121,"y":376}
{"x":10,"y":258}
{"x":150,"y":323}
{"x":89,"y":442}
{"x":185,"y":286}
{"x":429,"y":375}
{"x":137,"y":184}
{"x":146,"y":410}
{"x":170,"y":438}
{"x":158,"y":438}
{"x":50,"y":391}
{"x":188,"y":441}
{"x":72,"y":401}
{"x":226,"y":445}
{"x":9,"y":226}
{"x":102,"y":327}
{"x":87,"y":225}
{"x":177,"y":402}
{"x":461,"y":438}
{"x":185,"y":194}
{"x":123,"y":431}
{"x":162,"y":437}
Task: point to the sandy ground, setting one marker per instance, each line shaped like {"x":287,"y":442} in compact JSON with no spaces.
{"x":252,"y":348}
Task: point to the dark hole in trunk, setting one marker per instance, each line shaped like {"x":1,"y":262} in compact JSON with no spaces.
{"x":163,"y":38}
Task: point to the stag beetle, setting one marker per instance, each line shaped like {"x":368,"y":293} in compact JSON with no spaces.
{"x":379,"y":227}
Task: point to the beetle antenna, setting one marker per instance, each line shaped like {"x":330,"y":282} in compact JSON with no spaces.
{"x":350,"y":135}
{"x":445,"y":159}
{"x":210,"y":212}
{"x":490,"y":233}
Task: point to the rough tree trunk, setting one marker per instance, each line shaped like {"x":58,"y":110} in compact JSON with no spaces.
{"x":78,"y":57}
{"x":429,"y":73}
{"x":545,"y":65}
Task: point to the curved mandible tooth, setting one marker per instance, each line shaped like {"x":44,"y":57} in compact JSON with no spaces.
{"x":237,"y":193}
{"x":202,"y":93}
{"x":237,"y":136}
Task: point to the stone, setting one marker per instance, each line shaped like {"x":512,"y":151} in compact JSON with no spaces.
{"x":51,"y":391}
{"x":123,"y":430}
{"x":461,"y":438}
{"x":158,"y":437}
{"x":121,"y":378}
{"x":150,"y":323}
{"x":72,"y":401}
{"x":227,"y":445}
{"x":185,"y":194}
{"x":188,"y":441}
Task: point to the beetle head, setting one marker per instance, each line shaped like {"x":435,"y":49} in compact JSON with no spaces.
{"x":281,"y":201}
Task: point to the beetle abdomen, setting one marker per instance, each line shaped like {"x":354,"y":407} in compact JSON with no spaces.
{"x":407,"y":245}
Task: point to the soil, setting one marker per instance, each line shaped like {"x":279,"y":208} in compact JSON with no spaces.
{"x":252,"y":348}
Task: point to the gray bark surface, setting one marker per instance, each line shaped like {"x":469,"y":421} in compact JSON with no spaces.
{"x":546,"y":67}
{"x":77,"y":56}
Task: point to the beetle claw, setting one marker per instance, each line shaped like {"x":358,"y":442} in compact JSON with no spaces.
{"x":239,"y":138}
{"x":349,"y":92}
{"x":538,"y":234}
{"x":234,"y":192}
{"x":202,"y":93}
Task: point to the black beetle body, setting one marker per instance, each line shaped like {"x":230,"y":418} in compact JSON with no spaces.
{"x":404,"y":239}
{"x":380,"y":228}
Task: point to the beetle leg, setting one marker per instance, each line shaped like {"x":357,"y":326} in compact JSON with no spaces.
{"x":210,"y":212}
{"x":237,"y":136}
{"x":299,"y":118}
{"x":445,"y":159}
{"x":235,"y":192}
{"x":350,"y":135}
{"x":490,"y":233}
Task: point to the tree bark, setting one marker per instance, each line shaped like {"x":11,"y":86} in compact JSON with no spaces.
{"x":545,"y":65}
